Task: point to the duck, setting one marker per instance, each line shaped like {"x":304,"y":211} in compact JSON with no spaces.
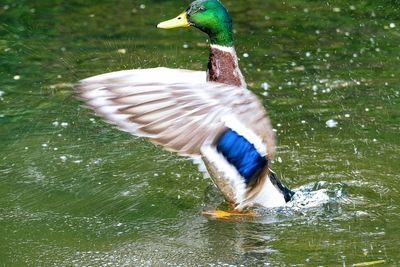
{"x":210,"y":115}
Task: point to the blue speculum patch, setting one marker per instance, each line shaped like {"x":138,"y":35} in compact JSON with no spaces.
{"x":242,"y":154}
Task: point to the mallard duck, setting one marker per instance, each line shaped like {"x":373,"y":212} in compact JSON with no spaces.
{"x":208,"y":115}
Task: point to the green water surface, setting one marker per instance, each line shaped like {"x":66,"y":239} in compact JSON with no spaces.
{"x":74,"y":191}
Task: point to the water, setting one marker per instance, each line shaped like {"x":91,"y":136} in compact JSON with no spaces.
{"x":74,"y":191}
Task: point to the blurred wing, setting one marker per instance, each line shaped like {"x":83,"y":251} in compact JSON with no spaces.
{"x":174,"y":108}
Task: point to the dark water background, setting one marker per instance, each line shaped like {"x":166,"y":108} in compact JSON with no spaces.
{"x":74,"y":191}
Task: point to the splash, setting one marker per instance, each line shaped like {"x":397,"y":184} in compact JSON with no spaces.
{"x":315,"y":195}
{"x":305,"y":198}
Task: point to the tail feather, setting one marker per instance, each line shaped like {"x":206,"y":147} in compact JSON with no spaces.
{"x":287,"y":193}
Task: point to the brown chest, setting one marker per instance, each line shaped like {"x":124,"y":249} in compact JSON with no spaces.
{"x":223,"y":68}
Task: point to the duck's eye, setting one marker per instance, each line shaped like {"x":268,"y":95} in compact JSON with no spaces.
{"x":202,"y":8}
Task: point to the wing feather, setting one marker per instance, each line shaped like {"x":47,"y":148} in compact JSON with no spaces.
{"x":174,"y":108}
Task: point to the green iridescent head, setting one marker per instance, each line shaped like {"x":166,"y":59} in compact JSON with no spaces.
{"x":209,"y":16}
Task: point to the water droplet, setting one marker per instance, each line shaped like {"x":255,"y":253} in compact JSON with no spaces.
{"x":16,"y":77}
{"x":245,"y":55}
{"x":392,"y":25}
{"x":265,"y":85}
{"x":331,"y":123}
{"x":121,"y":51}
{"x":142,"y":6}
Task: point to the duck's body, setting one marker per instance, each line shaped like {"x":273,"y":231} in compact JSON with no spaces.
{"x":210,"y":114}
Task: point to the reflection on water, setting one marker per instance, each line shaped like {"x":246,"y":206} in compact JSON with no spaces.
{"x":75,"y":191}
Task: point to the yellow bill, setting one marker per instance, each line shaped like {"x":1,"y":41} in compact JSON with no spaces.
{"x":179,"y":21}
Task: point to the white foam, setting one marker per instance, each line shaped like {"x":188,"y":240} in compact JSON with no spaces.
{"x":303,"y":199}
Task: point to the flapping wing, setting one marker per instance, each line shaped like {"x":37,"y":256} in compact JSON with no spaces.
{"x":174,"y":108}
